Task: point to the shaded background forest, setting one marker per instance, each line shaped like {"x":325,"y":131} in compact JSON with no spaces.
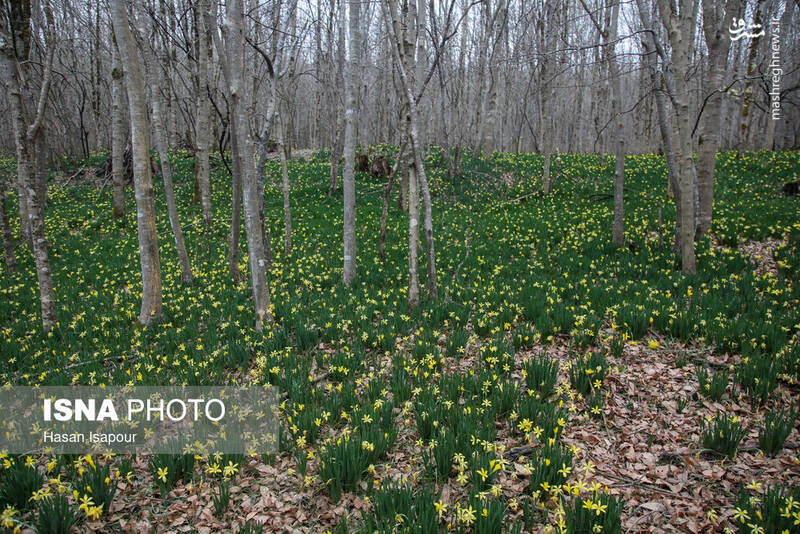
{"x":511,"y":77}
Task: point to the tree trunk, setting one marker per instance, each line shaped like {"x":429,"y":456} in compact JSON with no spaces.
{"x":431,"y":284}
{"x":413,"y":238}
{"x":715,"y":28}
{"x":169,"y":192}
{"x":253,"y":226}
{"x":619,"y":135}
{"x":202,"y":118}
{"x":348,"y":174}
{"x":545,"y":113}
{"x":142,"y":178}
{"x":236,"y":172}
{"x":680,"y":27}
{"x":15,"y":61}
{"x":546,"y":185}
{"x":418,"y":182}
{"x":5,"y":229}
{"x":487,"y":140}
{"x":286,"y":188}
{"x":749,"y":82}
{"x":660,"y":85}
{"x":236,"y":201}
{"x":157,"y":81}
{"x":119,"y":133}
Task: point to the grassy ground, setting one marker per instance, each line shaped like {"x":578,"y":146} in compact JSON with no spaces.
{"x":558,"y":382}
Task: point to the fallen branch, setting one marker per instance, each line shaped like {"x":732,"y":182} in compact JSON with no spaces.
{"x":521,"y":198}
{"x":709,"y":363}
{"x":371,"y":191}
{"x":104,"y":361}
{"x":515,"y":452}
{"x":627,"y":481}
{"x":68,"y":181}
{"x":184,"y":226}
{"x":668,"y":456}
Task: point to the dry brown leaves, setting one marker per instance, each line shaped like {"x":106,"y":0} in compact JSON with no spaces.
{"x":762,"y":255}
{"x":652,"y":412}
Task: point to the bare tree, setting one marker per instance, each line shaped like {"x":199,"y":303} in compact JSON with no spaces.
{"x":662,"y":86}
{"x":5,"y":228}
{"x":119,"y":133}
{"x":156,"y":81}
{"x":236,"y":172}
{"x":202,"y":129}
{"x":679,"y":18}
{"x":16,"y":64}
{"x":142,"y":178}
{"x":348,"y":174}
{"x":404,"y":47}
{"x":546,"y":114}
{"x":717,"y":17}
{"x":242,"y":101}
{"x":745,"y":130}
{"x":608,"y":33}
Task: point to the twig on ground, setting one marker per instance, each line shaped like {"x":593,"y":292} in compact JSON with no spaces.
{"x":668,"y":456}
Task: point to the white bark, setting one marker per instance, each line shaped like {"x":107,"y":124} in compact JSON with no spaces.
{"x":202,"y":118}
{"x":418,"y":181}
{"x":25,"y":140}
{"x":253,"y":226}
{"x":717,"y":19}
{"x":119,"y":134}
{"x":348,"y":174}
{"x":156,"y":80}
{"x":5,"y":228}
{"x":286,"y":190}
{"x":142,"y":178}
{"x":680,"y":22}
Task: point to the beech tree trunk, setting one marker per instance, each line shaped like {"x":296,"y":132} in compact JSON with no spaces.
{"x":652,"y":46}
{"x":253,"y":226}
{"x":142,"y":178}
{"x":546,"y":123}
{"x":404,"y":46}
{"x":608,"y":32}
{"x":286,"y":189}
{"x":717,"y":17}
{"x":348,"y":170}
{"x":119,"y":133}
{"x":156,"y":81}
{"x":5,"y":228}
{"x":236,"y":174}
{"x":749,"y":82}
{"x":619,"y":135}
{"x":15,"y":61}
{"x":236,"y":200}
{"x":680,"y":23}
{"x":202,"y":118}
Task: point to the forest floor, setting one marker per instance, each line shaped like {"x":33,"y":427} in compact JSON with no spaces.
{"x":557,"y":383}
